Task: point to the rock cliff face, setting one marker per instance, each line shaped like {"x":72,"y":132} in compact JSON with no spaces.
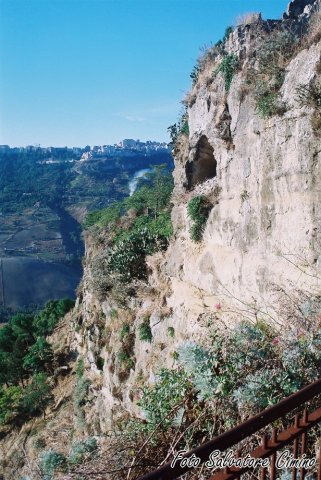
{"x":261,"y":245}
{"x":260,"y":252}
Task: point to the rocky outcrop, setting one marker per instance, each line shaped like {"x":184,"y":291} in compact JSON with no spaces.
{"x":297,"y":7}
{"x":262,"y":178}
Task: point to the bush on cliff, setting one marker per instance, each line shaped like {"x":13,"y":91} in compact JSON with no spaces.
{"x":25,"y":361}
{"x":198,"y":210}
{"x":138,"y":226}
{"x":212,"y":388}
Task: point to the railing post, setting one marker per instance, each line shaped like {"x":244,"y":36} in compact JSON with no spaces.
{"x":304,"y":441}
{"x":264,"y":445}
{"x":273,"y":459}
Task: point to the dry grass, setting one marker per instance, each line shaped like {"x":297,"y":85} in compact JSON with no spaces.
{"x":247,"y":18}
{"x":314,"y":32}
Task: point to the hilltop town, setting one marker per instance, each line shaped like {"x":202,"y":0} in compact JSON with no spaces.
{"x":126,"y":147}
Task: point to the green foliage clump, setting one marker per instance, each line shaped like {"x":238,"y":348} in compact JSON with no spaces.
{"x":128,"y":256}
{"x":150,"y":199}
{"x":182,"y":127}
{"x":81,"y":392}
{"x":36,"y":395}
{"x":81,"y":450}
{"x":198,"y":210}
{"x":195,"y":73}
{"x":80,"y":395}
{"x":48,"y":318}
{"x":100,"y":362}
{"x":52,"y":461}
{"x":171,"y":331}
{"x":227,"y":67}
{"x":126,"y":359}
{"x":124,"y":331}
{"x":39,"y":356}
{"x":227,"y":33}
{"x":237,"y":374}
{"x":142,"y":227}
{"x":199,"y":364}
{"x":26,"y":360}
{"x":269,"y":73}
{"x":161,"y":403}
{"x":245,"y":195}
{"x":268,"y":103}
{"x":145,"y":332}
{"x":80,"y":368}
{"x":108,"y":215}
{"x":10,"y":399}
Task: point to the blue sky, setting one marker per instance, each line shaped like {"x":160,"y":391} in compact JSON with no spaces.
{"x":77,"y":72}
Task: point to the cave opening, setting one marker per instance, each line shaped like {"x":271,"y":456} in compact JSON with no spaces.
{"x":203,"y":167}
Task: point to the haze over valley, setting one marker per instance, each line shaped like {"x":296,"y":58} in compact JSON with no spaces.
{"x":45,"y":196}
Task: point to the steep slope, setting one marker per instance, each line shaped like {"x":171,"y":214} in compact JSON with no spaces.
{"x":260,"y":251}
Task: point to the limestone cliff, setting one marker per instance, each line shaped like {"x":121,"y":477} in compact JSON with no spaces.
{"x":261,"y":247}
{"x":261,"y":242}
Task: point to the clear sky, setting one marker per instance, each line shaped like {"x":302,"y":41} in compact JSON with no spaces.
{"x":77,"y":72}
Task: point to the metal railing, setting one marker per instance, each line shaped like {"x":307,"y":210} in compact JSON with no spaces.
{"x":296,"y":433}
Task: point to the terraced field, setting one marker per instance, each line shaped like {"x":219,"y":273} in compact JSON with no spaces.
{"x":36,"y":262}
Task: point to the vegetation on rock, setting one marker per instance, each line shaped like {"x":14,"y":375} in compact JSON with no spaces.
{"x":182,"y":127}
{"x":198,"y":210}
{"x":26,"y":362}
{"x":227,"y":67}
{"x":216,"y":386}
{"x":136,"y":227}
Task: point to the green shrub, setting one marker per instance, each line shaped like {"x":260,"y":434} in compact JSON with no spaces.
{"x":227,"y":67}
{"x":131,"y":238}
{"x":175,"y":355}
{"x":180,"y":128}
{"x":100,"y":363}
{"x":268,"y":76}
{"x":47,"y":319}
{"x":124,"y":331}
{"x":126,"y":359}
{"x":80,"y":368}
{"x":198,"y":210}
{"x":199,"y":364}
{"x":39,"y":443}
{"x":52,"y":461}
{"x":214,"y":387}
{"x":227,"y":33}
{"x":39,"y":356}
{"x":268,"y":105}
{"x":37,"y":395}
{"x":245,"y":195}
{"x":81,"y":392}
{"x":195,"y":73}
{"x":127,"y":258}
{"x":145,"y":332}
{"x":160,"y":403}
{"x":80,"y":450}
{"x":171,"y":331}
{"x":10,"y":400}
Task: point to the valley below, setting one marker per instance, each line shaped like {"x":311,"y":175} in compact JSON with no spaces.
{"x":41,"y":244}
